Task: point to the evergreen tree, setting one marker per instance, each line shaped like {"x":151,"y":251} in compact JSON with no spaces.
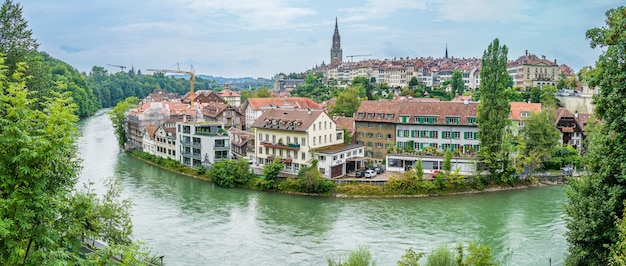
{"x":458,"y":86}
{"x":493,"y":112}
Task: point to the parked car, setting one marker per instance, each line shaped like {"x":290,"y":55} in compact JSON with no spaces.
{"x":360,"y":173}
{"x":370,"y":173}
{"x":379,"y":170}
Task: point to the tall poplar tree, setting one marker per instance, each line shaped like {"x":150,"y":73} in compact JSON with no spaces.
{"x":596,"y":202}
{"x":494,"y":108}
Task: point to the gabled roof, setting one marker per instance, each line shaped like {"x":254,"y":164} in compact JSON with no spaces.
{"x":240,"y":137}
{"x":411,"y":108}
{"x":215,"y":109}
{"x":518,"y":107}
{"x":228,"y":93}
{"x":294,"y":120}
{"x":150,"y":130}
{"x":258,"y":104}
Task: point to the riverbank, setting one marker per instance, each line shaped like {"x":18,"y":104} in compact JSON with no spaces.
{"x":404,"y":185}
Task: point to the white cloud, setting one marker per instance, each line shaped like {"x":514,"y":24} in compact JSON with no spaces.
{"x":483,"y":10}
{"x":376,"y":9}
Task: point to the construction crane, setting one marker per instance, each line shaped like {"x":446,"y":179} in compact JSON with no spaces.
{"x":357,"y":55}
{"x":121,"y":67}
{"x":192,"y":78}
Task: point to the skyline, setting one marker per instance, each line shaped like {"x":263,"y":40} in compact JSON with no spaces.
{"x":261,"y":38}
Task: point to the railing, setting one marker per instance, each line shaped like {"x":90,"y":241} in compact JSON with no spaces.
{"x":220,"y":147}
{"x":289,"y":146}
{"x":189,"y":143}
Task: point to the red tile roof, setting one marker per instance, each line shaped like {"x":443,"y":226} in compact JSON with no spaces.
{"x":258,"y":104}
{"x":300,"y":120}
{"x":518,"y":107}
{"x":228,"y":93}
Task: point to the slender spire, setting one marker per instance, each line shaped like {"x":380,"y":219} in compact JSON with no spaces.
{"x":446,"y":50}
{"x":336,"y":27}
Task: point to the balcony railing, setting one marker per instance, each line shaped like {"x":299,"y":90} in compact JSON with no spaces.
{"x":289,"y":146}
{"x":221,"y":147}
{"x":189,"y":143}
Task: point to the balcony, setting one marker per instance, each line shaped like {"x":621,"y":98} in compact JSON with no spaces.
{"x":189,"y":143}
{"x":221,"y":147}
{"x":289,"y":159}
{"x":289,"y":146}
{"x":195,"y":155}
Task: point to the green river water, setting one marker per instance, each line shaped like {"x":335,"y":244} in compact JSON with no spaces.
{"x":193,"y":222}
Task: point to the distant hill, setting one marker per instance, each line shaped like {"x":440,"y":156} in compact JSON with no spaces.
{"x":240,"y":83}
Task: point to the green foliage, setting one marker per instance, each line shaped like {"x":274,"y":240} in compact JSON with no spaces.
{"x":16,"y":39}
{"x":447,"y":162}
{"x":548,"y":96}
{"x":366,"y":84}
{"x":359,"y":257}
{"x":419,"y":170}
{"x":230,"y":173}
{"x":540,"y":136}
{"x":272,"y":169}
{"x":348,"y":102}
{"x":442,"y":256}
{"x":596,"y":202}
{"x":43,"y":218}
{"x":458,"y":86}
{"x":117,"y":117}
{"x":618,"y":251}
{"x":410,"y":258}
{"x":493,"y":112}
{"x":347,"y":136}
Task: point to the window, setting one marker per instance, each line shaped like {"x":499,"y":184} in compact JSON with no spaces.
{"x":267,"y":150}
{"x":456,"y":135}
{"x":267,"y":137}
{"x":445,"y":134}
{"x":280,"y":152}
{"x":471,"y":135}
{"x":295,"y":140}
{"x":325,"y":139}
{"x":335,"y":158}
{"x":314,"y":141}
{"x":359,"y":134}
{"x":370,"y":115}
{"x":361,"y":115}
{"x":324,"y":124}
{"x":322,"y":170}
{"x":370,"y":125}
{"x":404,"y":119}
{"x":389,"y":116}
{"x":303,"y":156}
{"x":369,"y":144}
{"x":340,"y":136}
{"x":187,"y":129}
{"x":322,"y":158}
{"x":387,"y":145}
{"x":313,"y":127}
{"x":471,"y":120}
{"x":452,"y":120}
{"x":303,"y":141}
{"x":370,"y":134}
{"x":389,"y":136}
{"x":341,"y":156}
{"x":273,"y":138}
{"x":389,"y":126}
{"x":360,"y":142}
{"x":379,"y":116}
{"x":288,"y":139}
{"x":379,"y":145}
{"x":379,"y":126}
{"x":359,"y":125}
{"x":406,"y":133}
{"x":525,"y":114}
{"x":379,"y":135}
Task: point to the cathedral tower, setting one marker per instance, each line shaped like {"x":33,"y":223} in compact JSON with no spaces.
{"x":335,"y":50}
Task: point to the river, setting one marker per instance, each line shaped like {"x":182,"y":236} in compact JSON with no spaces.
{"x":193,"y":222}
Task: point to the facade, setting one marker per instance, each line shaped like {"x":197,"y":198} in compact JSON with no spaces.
{"x":165,"y":140}
{"x":201,"y":143}
{"x":335,"y":51}
{"x":153,"y":114}
{"x":337,"y":160}
{"x":203,"y":96}
{"x":227,"y":114}
{"x":231,"y":97}
{"x":147,"y":143}
{"x":376,"y":127}
{"x":570,"y":127}
{"x":254,"y":107}
{"x":241,"y":144}
{"x":292,"y":136}
{"x":531,"y":71}
{"x":519,"y":112}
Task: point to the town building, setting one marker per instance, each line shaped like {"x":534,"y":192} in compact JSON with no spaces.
{"x":254,"y":107}
{"x":571,"y":127}
{"x":231,"y":97}
{"x":201,"y":143}
{"x":376,"y":127}
{"x":147,"y":142}
{"x":165,"y":140}
{"x":153,"y":114}
{"x":241,"y":144}
{"x":294,"y":136}
{"x":531,"y":71}
{"x":202,"y":96}
{"x":519,"y":112}
{"x":227,"y":114}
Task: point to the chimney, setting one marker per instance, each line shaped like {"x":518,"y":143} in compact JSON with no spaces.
{"x":555,"y":61}
{"x":526,"y":52}
{"x":576,"y":114}
{"x":543,"y":57}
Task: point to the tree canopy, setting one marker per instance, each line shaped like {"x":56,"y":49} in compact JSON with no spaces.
{"x":493,"y":112}
{"x":596,"y":202}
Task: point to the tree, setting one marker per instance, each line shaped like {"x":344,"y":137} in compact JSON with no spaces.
{"x":458,"y":86}
{"x":118,"y":118}
{"x":347,"y":136}
{"x":493,"y":112}
{"x":596,"y":202}
{"x":272,"y":169}
{"x":367,"y":85}
{"x":262,"y":93}
{"x":16,"y":39}
{"x":43,"y":219}
{"x":548,"y":96}
{"x":447,"y":162}
{"x":540,"y":136}
{"x":413,"y":82}
{"x":419,"y":169}
{"x":348,"y":102}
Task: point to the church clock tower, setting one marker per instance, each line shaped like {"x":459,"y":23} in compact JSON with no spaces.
{"x":335,"y":50}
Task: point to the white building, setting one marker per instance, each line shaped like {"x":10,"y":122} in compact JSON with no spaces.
{"x":338,"y":160}
{"x":201,"y":143}
{"x":295,"y":137}
{"x":254,"y":107}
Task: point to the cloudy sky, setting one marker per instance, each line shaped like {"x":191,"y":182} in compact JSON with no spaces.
{"x":259,"y":38}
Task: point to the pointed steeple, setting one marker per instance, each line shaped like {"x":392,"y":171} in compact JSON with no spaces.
{"x":446,"y":50}
{"x":335,"y":50}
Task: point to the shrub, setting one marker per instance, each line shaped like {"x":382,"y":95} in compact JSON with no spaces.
{"x":359,"y":257}
{"x":442,"y":256}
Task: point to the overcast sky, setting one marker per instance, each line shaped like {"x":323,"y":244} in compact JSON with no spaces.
{"x":259,"y":38}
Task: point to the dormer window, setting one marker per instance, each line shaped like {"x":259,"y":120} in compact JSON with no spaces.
{"x":524,"y":114}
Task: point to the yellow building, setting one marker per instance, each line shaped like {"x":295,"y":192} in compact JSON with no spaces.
{"x":292,"y":136}
{"x":531,"y":71}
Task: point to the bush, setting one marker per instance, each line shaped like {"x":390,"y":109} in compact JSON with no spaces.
{"x":360,"y":190}
{"x":359,"y":257}
{"x":442,"y":256}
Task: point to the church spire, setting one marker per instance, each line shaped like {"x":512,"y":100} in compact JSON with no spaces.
{"x":446,"y":50}
{"x":335,"y":50}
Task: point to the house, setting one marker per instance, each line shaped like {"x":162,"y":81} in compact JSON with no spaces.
{"x":241,"y":143}
{"x":571,"y":130}
{"x":203,"y":96}
{"x":346,"y":123}
{"x":148,"y":145}
{"x":231,"y":97}
{"x":153,"y":114}
{"x":254,"y":107}
{"x":228,"y":114}
{"x":201,"y":143}
{"x":337,"y":160}
{"x":531,"y":71}
{"x":165,"y":140}
{"x":519,"y":112}
{"x":376,"y":126}
{"x":294,"y":136}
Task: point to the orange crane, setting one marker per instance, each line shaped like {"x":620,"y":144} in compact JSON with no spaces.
{"x":121,"y":67}
{"x":192,"y":78}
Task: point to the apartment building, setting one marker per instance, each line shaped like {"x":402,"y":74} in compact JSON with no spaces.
{"x":254,"y":107}
{"x":531,"y":71}
{"x":201,"y":143}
